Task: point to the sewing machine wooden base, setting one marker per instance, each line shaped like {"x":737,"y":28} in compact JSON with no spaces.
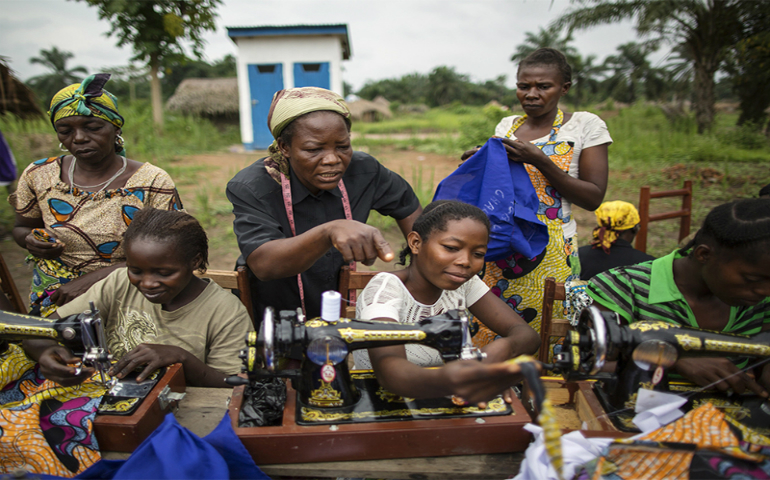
{"x":290,"y":443}
{"x":588,"y":416}
{"x":124,"y":433}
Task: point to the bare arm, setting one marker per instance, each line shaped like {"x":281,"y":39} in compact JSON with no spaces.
{"x":587,"y":191}
{"x":286,"y":257}
{"x":405,"y":224}
{"x":22,"y":235}
{"x":518,"y":338}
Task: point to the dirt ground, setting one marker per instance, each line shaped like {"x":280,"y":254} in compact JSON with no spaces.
{"x":205,"y":190}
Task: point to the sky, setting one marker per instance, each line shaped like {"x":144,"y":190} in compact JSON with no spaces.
{"x":389,"y":38}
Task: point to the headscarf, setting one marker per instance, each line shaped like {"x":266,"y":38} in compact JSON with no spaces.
{"x":613,"y":218}
{"x":88,"y":99}
{"x":287,"y":106}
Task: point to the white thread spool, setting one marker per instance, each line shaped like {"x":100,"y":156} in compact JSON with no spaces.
{"x":330,"y":305}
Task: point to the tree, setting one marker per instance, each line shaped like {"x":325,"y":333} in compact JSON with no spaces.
{"x":544,"y":38}
{"x":585,"y":78}
{"x":704,"y":28}
{"x":633,"y":76}
{"x":55,"y":60}
{"x":156,"y":29}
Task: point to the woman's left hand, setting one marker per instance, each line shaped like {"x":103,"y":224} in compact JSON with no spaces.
{"x":524,"y":152}
{"x":152,"y":355}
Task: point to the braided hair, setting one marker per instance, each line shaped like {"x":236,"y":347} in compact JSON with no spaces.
{"x":436,"y":216}
{"x":550,"y":57}
{"x":171,"y":226}
{"x":742,"y":227}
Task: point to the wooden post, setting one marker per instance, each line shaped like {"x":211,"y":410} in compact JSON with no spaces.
{"x":644,"y":215}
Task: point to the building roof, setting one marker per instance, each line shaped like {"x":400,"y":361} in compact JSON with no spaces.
{"x":340,"y":30}
{"x":211,"y":96}
{"x":15,"y":96}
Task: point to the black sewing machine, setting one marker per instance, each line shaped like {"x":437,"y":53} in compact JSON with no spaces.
{"x":328,"y":393}
{"x":644,"y":352}
{"x":84,"y":334}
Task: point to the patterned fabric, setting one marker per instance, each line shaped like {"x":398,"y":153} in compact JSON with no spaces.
{"x":91,"y":225}
{"x":519,"y":281}
{"x":648,"y":292}
{"x":613,"y":218}
{"x":44,"y":428}
{"x":702,"y":444}
{"x":287,"y":106}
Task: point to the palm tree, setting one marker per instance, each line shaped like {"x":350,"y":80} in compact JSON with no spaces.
{"x":633,"y":76}
{"x":544,"y":38}
{"x":705,"y":28}
{"x":585,"y":78}
{"x":56,"y":61}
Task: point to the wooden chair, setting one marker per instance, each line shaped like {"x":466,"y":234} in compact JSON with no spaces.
{"x":683,"y":214}
{"x":8,"y":287}
{"x":350,"y":282}
{"x":234,"y":280}
{"x":549,"y":326}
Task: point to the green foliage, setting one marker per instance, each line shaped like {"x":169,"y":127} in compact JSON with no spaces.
{"x":478,"y":130}
{"x":45,"y":86}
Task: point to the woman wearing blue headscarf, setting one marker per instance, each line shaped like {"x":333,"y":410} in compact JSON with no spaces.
{"x":72,"y":210}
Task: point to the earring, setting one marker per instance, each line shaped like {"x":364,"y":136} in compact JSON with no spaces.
{"x":61,"y":147}
{"x":119,"y":141}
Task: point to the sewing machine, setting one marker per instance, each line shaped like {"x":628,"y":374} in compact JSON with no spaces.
{"x":328,"y":404}
{"x":644,"y":352}
{"x":129,"y":410}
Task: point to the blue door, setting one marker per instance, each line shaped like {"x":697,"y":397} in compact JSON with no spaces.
{"x":311,"y":75}
{"x":264,"y":81}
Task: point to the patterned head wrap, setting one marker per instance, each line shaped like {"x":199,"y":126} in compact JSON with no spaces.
{"x":88,"y":99}
{"x":287,"y":106}
{"x":613,"y":218}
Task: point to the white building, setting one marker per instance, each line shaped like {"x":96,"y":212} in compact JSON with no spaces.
{"x":271,"y":58}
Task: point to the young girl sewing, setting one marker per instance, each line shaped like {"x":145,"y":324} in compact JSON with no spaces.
{"x":447,"y":245}
{"x":156,"y":311}
{"x":719,"y":281}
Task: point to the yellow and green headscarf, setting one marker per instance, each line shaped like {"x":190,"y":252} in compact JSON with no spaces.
{"x":613,"y":218}
{"x":88,"y":99}
{"x":287,"y":106}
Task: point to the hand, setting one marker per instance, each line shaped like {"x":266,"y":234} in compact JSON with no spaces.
{"x":43,"y":249}
{"x":359,"y":242}
{"x":71,"y":290}
{"x":151,"y":355}
{"x":55,"y":365}
{"x":524,"y":152}
{"x":469,"y":153}
{"x":477,"y":382}
{"x":706,"y":371}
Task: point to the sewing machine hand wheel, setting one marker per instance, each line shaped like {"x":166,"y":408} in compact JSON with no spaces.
{"x":267,"y":333}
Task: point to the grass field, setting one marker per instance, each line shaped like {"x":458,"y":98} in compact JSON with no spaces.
{"x":726,"y":164}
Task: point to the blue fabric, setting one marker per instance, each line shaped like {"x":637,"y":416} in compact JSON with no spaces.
{"x":174,"y":452}
{"x":8,"y":170}
{"x":504,"y":191}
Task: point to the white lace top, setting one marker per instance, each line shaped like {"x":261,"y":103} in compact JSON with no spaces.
{"x":386,"y":297}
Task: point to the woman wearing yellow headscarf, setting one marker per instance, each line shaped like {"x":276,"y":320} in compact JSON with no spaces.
{"x":300,"y":213}
{"x":72,"y":210}
{"x":611,"y":245}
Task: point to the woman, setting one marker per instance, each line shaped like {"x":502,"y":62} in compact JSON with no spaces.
{"x":72,"y":210}
{"x":300,"y":214}
{"x":565,"y":155}
{"x":611,"y":245}
{"x":720,"y":281}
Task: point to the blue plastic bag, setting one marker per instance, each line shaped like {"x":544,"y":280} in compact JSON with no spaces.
{"x":504,"y":191}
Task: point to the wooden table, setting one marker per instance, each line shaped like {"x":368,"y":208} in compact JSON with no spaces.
{"x":203,"y":408}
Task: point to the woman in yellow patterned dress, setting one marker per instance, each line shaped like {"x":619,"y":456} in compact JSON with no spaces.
{"x":565,"y":155}
{"x":72,"y":210}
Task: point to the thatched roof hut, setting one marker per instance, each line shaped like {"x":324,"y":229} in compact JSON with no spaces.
{"x":212,"y":97}
{"x":366,"y":111}
{"x":15,"y":97}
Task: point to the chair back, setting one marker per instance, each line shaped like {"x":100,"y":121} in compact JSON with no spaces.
{"x":8,"y":287}
{"x":549,"y":326}
{"x":350,"y":283}
{"x":237,"y":280}
{"x":645,"y":218}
